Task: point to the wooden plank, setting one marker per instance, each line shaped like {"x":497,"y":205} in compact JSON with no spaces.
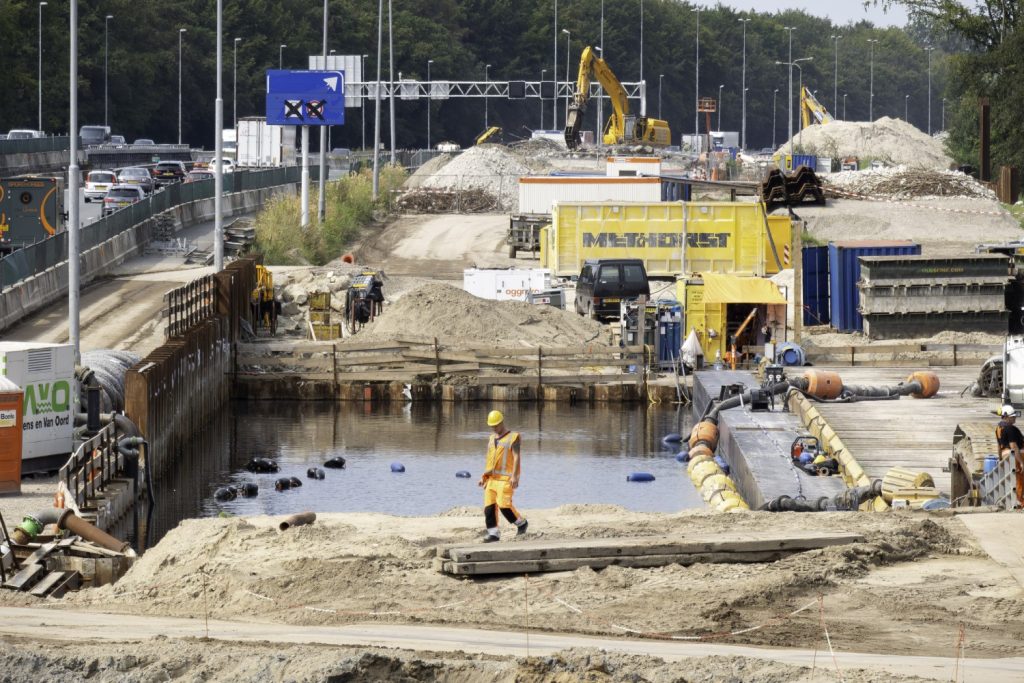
{"x":47,"y":583}
{"x":318,"y":363}
{"x":40,"y":554}
{"x":72,"y":581}
{"x":91,"y":549}
{"x":636,"y":561}
{"x":26,"y":577}
{"x":653,"y":545}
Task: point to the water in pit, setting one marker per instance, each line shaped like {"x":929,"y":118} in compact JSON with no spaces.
{"x":571,"y":454}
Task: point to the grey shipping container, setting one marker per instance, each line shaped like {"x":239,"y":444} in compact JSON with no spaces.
{"x":844,"y":273}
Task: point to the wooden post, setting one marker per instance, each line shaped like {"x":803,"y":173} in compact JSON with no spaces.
{"x":334,"y":364}
{"x":954,"y":355}
{"x":853,"y":356}
{"x":437,"y":360}
{"x":540,"y":374}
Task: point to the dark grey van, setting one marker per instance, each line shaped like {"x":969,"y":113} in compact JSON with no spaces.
{"x":604,"y":283}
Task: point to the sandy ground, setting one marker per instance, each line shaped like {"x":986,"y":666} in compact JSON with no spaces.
{"x":903,"y":592}
{"x":943,"y":227}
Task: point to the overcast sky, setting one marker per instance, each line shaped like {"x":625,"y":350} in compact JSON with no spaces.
{"x":840,"y":11}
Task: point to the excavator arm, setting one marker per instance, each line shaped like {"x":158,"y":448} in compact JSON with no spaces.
{"x":811,"y":110}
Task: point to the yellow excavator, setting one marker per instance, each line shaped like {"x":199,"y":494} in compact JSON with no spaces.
{"x":811,"y":110}
{"x":492,"y":134}
{"x":622,"y":128}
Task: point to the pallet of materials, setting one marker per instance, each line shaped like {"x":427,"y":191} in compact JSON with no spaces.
{"x":651,"y":551}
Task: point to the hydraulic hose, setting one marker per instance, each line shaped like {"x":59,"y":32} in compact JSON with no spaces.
{"x":850,"y":499}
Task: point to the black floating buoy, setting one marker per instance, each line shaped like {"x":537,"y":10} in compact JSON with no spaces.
{"x":315,"y":473}
{"x":295,"y":481}
{"x":463,"y":474}
{"x":337,"y":463}
{"x":397,"y":467}
{"x":261,"y":465}
{"x":640,"y":476}
{"x":225,"y":493}
{"x":248,"y":490}
{"x":674,"y":437}
{"x":283,"y":484}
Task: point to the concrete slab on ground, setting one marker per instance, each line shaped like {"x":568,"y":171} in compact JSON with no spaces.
{"x":1001,"y":535}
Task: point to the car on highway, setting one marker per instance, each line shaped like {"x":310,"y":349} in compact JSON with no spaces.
{"x":23,"y":134}
{"x":195,"y":175}
{"x":167,"y":172}
{"x":120,"y":196}
{"x":226,"y":164}
{"x":92,"y":136}
{"x":136,"y":175}
{"x":143,"y":142}
{"x":97,"y":183}
{"x":117,"y":140}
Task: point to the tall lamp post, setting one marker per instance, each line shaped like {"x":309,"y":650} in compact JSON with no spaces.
{"x":775,"y":98}
{"x":487,"y":78}
{"x":929,"y":50}
{"x":234,"y":85}
{"x":661,"y":77}
{"x":943,"y":113}
{"x":74,"y":260}
{"x":39,"y":81}
{"x":696,"y":87}
{"x":429,"y":93}
{"x":871,"y":84}
{"x":181,"y":32}
{"x":789,"y":99}
{"x":280,"y":55}
{"x":106,"y":62}
{"x":600,"y":96}
{"x":906,"y":108}
{"x":844,"y":106}
{"x":554,"y":75}
{"x":218,"y":149}
{"x":835,"y":75}
{"x":362,"y":108}
{"x":720,"y":107}
{"x":795,"y":63}
{"x":321,"y":200}
{"x":542,"y":74}
{"x":567,"y":37}
{"x":743,"y":115}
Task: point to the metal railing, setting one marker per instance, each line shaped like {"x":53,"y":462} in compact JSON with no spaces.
{"x":47,"y":253}
{"x":998,"y":486}
{"x":92,"y":466}
{"x":59,"y":143}
{"x":190,"y":304}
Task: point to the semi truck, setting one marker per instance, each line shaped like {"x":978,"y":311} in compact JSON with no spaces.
{"x":259,"y":145}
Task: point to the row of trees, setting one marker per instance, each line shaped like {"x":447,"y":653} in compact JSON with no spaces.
{"x":515,"y":37}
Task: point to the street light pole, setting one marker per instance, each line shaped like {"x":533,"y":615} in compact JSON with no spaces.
{"x":567,"y":37}
{"x":906,"y":108}
{"x":429,"y":93}
{"x":554,"y":76}
{"x":599,"y":133}
{"x":321,"y":200}
{"x":39,"y":81}
{"x":106,"y":62}
{"x":835,"y":76}
{"x":720,"y":107}
{"x":641,"y":42}
{"x":181,"y":32}
{"x":542,"y":72}
{"x":391,"y":79}
{"x":376,"y":109}
{"x":280,"y":55}
{"x":871,"y":85}
{"x":234,"y":88}
{"x":661,"y":77}
{"x":362,"y":102}
{"x":218,"y":147}
{"x":74,"y":257}
{"x":696,"y":87}
{"x":844,"y":106}
{"x":743,"y":120}
{"x":790,"y":97}
{"x":487,"y":77}
{"x":800,"y":69}
{"x":943,"y":114}
{"x":929,"y":50}
{"x":775,"y":98}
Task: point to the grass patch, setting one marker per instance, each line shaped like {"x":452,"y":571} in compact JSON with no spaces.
{"x":1017,"y":211}
{"x":810,"y":240}
{"x":350,"y":207}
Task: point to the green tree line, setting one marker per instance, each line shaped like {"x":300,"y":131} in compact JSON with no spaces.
{"x":516,"y":37}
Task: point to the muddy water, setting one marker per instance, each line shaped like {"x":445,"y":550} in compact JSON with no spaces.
{"x":571,"y":454}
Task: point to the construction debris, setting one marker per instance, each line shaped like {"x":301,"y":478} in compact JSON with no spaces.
{"x":892,"y":141}
{"x":901,"y":182}
{"x":801,"y":186}
{"x":492,"y":168}
{"x":471,"y":200}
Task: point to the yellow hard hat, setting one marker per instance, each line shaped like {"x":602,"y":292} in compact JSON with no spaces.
{"x":495,"y":418}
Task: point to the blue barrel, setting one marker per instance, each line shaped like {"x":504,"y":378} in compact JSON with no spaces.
{"x":397,"y":467}
{"x":640,"y":476}
{"x":788,"y":353}
{"x":991,"y":461}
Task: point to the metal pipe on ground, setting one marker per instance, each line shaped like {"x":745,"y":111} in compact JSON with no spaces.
{"x":78,"y":526}
{"x":297,"y":520}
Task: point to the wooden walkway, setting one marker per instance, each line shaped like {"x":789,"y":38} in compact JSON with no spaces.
{"x":911,"y":433}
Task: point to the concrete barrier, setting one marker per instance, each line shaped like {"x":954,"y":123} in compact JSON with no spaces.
{"x":37,"y":162}
{"x":35,"y":293}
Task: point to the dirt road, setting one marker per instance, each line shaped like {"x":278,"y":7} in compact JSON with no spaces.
{"x":440,"y":246}
{"x":43,"y":625}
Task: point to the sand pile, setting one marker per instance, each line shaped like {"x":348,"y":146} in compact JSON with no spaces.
{"x":900,"y":182}
{"x":893,"y":141}
{"x":492,"y":168}
{"x":454,"y":315}
{"x":426,"y":170}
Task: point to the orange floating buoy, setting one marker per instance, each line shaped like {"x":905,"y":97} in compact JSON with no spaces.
{"x":348,"y":258}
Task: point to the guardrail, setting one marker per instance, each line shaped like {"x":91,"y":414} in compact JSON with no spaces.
{"x":36,"y":258}
{"x":57,"y":143}
{"x":901,"y":355}
{"x":92,"y":466}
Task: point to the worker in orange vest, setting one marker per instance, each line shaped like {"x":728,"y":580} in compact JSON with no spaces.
{"x":1011,"y":445}
{"x":501,"y":477}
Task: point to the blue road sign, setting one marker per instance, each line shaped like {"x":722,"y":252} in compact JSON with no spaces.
{"x":305,"y":98}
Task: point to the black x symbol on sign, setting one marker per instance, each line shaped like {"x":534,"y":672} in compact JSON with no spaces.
{"x":316,"y":109}
{"x":293,"y":109}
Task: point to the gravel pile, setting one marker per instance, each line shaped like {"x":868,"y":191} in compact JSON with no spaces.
{"x":492,"y":168}
{"x":900,"y":182}
{"x":893,"y":141}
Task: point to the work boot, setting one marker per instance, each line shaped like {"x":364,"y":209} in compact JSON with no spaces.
{"x":491,"y":538}
{"x":521,"y":528}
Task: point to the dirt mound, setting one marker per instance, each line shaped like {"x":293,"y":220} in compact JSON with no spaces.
{"x":426,"y":170}
{"x":456,"y":316}
{"x":900,"y":182}
{"x":492,"y":168}
{"x":893,"y":141}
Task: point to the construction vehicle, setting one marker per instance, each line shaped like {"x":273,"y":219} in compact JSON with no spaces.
{"x":811,"y":110}
{"x":622,"y":128}
{"x":492,"y":134}
{"x":265,"y":307}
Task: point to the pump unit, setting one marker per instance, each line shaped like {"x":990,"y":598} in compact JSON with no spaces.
{"x":46,"y":373}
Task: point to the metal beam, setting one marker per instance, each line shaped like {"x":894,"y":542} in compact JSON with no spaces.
{"x":442,"y":90}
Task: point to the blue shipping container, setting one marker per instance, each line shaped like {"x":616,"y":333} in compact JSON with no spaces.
{"x":815,"y":286}
{"x":675,"y":190}
{"x":844,"y":274}
{"x":797,"y":160}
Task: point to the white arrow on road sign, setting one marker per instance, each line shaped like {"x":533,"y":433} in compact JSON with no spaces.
{"x":332,"y":83}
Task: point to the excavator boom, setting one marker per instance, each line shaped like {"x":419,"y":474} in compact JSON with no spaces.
{"x":811,"y":110}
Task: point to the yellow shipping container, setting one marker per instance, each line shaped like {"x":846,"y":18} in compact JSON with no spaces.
{"x":672,"y":238}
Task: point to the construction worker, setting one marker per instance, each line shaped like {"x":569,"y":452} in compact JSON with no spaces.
{"x":1011,"y":444}
{"x":501,"y":477}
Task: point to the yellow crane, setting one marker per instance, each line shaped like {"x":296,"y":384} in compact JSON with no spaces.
{"x":811,"y":110}
{"x":622,"y":128}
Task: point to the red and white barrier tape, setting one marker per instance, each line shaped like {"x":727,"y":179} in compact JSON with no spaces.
{"x":855,"y":195}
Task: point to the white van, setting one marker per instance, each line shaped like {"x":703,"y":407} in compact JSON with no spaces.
{"x":23,"y":134}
